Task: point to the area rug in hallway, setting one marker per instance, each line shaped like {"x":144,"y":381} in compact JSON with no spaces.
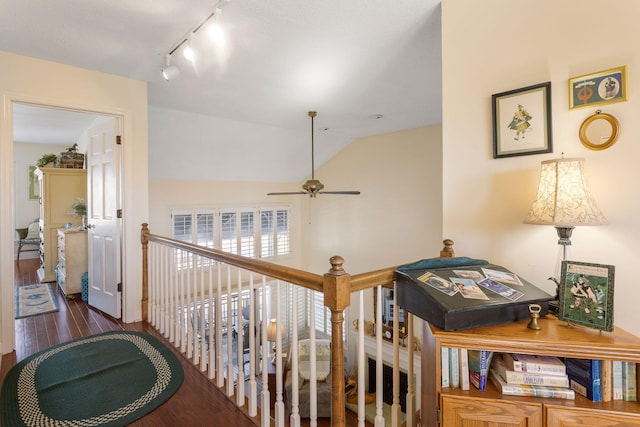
{"x":35,"y":299}
{"x":109,"y":379}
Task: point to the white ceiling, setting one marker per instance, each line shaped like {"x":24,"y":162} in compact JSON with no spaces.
{"x":347,"y":59}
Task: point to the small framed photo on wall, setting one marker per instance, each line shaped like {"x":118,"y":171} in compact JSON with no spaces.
{"x":522,"y":121}
{"x":586,"y":294}
{"x":598,"y":88}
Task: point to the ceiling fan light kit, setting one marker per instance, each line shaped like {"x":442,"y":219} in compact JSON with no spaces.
{"x":312,"y":186}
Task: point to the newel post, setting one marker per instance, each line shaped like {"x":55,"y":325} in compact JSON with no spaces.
{"x":145,"y":271}
{"x":337,"y":297}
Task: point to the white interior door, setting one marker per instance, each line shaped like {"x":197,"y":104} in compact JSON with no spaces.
{"x":104,"y":226}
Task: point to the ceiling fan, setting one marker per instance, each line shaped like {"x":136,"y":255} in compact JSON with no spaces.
{"x":312,"y":186}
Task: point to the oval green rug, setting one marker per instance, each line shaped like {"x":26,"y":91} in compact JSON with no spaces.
{"x":109,"y":379}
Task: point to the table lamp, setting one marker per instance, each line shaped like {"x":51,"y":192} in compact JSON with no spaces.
{"x":564,"y":201}
{"x":272,"y":335}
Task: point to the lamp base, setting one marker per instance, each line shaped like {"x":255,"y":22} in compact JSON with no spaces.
{"x":564,"y":253}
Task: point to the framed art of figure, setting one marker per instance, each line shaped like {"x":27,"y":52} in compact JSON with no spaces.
{"x":598,"y":88}
{"x":586,"y":294}
{"x":522,"y":121}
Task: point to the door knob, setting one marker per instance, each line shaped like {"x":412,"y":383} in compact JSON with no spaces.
{"x":89,"y":225}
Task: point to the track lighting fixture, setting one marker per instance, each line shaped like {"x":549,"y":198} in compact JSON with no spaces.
{"x":170,"y":72}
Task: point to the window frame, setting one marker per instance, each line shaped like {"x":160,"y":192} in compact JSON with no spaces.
{"x":246,"y":218}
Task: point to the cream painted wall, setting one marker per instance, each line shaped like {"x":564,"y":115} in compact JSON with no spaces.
{"x":396,"y":220}
{"x":509,"y":44}
{"x":165,"y":195}
{"x":46,"y":83}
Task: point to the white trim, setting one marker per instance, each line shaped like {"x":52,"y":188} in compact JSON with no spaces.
{"x":131,"y":299}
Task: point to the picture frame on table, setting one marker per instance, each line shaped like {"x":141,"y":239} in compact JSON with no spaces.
{"x":602,"y":87}
{"x":522,"y":121}
{"x":586,"y":294}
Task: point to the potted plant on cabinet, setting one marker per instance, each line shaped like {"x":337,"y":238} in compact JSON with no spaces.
{"x":48,"y":159}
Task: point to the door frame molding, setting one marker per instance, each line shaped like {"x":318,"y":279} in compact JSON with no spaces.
{"x":7,"y":207}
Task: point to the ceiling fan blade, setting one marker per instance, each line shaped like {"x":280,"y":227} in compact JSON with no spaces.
{"x":355,"y":193}
{"x":287,"y":193}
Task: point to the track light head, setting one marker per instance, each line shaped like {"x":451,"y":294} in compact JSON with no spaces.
{"x":170,"y":72}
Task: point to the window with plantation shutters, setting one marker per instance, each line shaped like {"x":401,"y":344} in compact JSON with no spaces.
{"x":275,"y":237}
{"x":254,"y":233}
{"x":193,"y":227}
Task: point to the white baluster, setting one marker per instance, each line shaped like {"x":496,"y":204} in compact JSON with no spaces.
{"x":266,"y":401}
{"x":183,"y":303}
{"x":379,"y":419}
{"x":212,"y":325}
{"x":279,"y":405}
{"x":361,"y":361}
{"x":218,"y":348}
{"x":240,"y":344}
{"x":313,"y":385}
{"x":253,"y":385}
{"x":202,"y":333}
{"x":395,"y":407}
{"x":295,"y":410}
{"x":229,"y":336}
{"x":411,"y":395}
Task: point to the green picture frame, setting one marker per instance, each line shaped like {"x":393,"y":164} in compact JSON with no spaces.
{"x":33,"y":186}
{"x":586,"y":294}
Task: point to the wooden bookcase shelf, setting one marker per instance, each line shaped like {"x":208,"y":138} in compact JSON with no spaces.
{"x":457,"y":407}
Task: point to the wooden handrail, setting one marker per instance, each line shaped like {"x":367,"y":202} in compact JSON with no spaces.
{"x":336,"y":286}
{"x":299,"y":277}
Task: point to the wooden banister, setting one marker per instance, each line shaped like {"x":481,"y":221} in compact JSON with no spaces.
{"x":336,"y":285}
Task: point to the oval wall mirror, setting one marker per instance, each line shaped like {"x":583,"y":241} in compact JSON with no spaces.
{"x":599,"y":131}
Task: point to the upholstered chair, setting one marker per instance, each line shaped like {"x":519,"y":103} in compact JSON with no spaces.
{"x":323,"y":378}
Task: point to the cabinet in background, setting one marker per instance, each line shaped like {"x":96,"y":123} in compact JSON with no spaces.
{"x":455,"y":407}
{"x":59,"y":189}
{"x":72,"y":260}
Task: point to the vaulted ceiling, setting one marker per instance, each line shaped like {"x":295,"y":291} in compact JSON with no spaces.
{"x":351,"y":60}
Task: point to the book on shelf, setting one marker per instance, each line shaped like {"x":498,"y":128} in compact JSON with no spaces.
{"x":531,"y":363}
{"x":530,"y":390}
{"x":585,"y":377}
{"x":444,"y":366}
{"x":629,"y":386}
{"x":616,"y":383}
{"x":464,"y":369}
{"x":454,"y":368}
{"x":479,"y":362}
{"x":607,"y":380}
{"x":528,"y":378}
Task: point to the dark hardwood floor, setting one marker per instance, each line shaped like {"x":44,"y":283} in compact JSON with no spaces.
{"x":198,"y":402}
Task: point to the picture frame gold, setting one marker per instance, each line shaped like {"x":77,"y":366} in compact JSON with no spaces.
{"x":602,"y":87}
{"x":586,"y":294}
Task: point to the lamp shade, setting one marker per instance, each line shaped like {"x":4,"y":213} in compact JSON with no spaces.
{"x":272,"y":330}
{"x":563,"y":197}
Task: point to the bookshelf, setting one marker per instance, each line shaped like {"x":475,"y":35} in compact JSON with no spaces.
{"x":453,"y":407}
